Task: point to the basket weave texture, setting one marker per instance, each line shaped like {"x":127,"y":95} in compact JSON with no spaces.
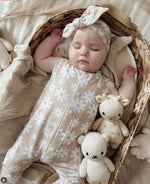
{"x":139,"y":47}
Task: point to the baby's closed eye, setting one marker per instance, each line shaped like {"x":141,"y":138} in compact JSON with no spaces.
{"x":94,"y":49}
{"x":76,"y":45}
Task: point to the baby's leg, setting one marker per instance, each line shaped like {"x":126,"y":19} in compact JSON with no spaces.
{"x":17,"y":159}
{"x":26,"y":150}
{"x":68,"y":174}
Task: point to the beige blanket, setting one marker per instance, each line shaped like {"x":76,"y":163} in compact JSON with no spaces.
{"x":22,"y":83}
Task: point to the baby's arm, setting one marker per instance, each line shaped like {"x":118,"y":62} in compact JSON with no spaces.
{"x":127,"y":87}
{"x":43,"y":53}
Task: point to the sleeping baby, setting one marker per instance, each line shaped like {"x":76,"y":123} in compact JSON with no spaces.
{"x":67,"y":106}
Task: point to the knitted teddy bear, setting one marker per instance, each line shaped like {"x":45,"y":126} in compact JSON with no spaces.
{"x":5,"y":56}
{"x":95,"y":166}
{"x":111,"y":110}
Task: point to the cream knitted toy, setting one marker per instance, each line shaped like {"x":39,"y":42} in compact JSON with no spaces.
{"x":95,"y":166}
{"x":140,"y":146}
{"x":5,"y":56}
{"x":111,"y":110}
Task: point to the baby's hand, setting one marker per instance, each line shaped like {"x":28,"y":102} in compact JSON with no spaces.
{"x":57,"y":35}
{"x":129,"y":73}
{"x":140,"y":146}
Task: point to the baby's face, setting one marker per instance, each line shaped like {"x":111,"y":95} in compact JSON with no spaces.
{"x":87,"y":52}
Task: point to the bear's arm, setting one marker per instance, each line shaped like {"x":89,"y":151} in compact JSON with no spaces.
{"x":83,"y":168}
{"x":109,"y":164}
{"x":123,"y":128}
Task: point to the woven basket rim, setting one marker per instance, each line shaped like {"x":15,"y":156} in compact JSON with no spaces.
{"x":126,"y":21}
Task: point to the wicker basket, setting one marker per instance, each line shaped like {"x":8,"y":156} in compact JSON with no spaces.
{"x":121,"y":25}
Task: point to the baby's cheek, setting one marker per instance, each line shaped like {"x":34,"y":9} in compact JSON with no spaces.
{"x":73,"y":56}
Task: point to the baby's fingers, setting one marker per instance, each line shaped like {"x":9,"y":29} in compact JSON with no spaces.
{"x":58,"y":32}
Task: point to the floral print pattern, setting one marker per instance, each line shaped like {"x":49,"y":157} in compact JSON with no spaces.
{"x":65,"y":110}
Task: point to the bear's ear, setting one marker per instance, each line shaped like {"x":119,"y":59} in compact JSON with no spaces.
{"x":106,"y":137}
{"x":80,"y":139}
{"x":99,"y":98}
{"x":125,"y":102}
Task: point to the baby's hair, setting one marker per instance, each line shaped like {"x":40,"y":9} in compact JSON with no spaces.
{"x":72,"y":36}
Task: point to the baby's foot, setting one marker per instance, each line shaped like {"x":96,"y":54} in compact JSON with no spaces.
{"x":57,"y":34}
{"x":129,"y":73}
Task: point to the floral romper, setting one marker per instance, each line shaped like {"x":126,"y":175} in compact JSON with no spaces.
{"x":65,"y":110}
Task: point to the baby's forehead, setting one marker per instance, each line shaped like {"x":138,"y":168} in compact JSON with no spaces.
{"x":87,"y":34}
{"x":85,"y":30}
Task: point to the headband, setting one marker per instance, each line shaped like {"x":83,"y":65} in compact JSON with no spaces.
{"x":90,"y":19}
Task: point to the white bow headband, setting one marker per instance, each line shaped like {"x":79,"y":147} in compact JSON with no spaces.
{"x":90,"y":19}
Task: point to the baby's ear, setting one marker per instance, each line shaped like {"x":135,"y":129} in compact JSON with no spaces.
{"x":80,"y":139}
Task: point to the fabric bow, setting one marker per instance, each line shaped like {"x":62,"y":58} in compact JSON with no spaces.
{"x":89,"y":17}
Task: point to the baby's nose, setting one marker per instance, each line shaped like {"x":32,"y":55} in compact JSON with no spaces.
{"x":84,"y":51}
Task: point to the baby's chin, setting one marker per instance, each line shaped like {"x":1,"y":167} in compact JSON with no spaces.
{"x":84,"y":67}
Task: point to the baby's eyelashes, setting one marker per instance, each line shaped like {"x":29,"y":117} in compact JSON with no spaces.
{"x":88,"y":48}
{"x":76,"y":45}
{"x":94,"y":49}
